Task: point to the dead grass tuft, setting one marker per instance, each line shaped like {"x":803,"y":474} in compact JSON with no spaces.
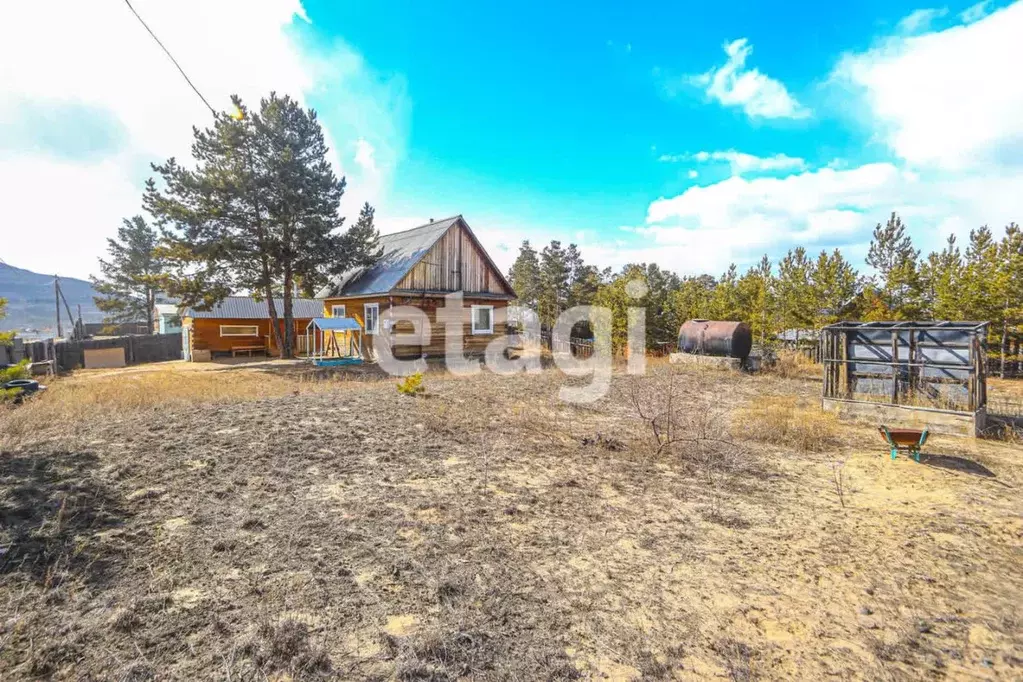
{"x":782,"y":420}
{"x":792,"y":365}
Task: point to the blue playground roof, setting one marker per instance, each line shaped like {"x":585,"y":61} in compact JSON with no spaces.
{"x":335,"y":324}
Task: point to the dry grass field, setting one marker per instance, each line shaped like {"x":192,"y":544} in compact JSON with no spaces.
{"x":236,"y":524}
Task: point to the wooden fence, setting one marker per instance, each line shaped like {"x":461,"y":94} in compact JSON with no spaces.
{"x":578,"y":347}
{"x":70,"y":355}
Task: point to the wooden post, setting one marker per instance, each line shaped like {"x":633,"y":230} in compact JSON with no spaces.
{"x":912,"y":360}
{"x":895,"y":367}
{"x":56,"y":298}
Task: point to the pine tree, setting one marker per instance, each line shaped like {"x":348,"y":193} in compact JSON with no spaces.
{"x":5,"y":337}
{"x":942,"y":277}
{"x":552,"y":298}
{"x":897,"y":282}
{"x":796,"y":308}
{"x":1009,"y":288}
{"x":834,"y":284}
{"x":362,"y":240}
{"x":614,"y":295}
{"x":692,"y":299}
{"x":524,"y":276}
{"x":980,"y":290}
{"x":259,"y":211}
{"x":131,"y":277}
{"x":756,"y":289}
{"x":725,"y":301}
{"x":583,"y":280}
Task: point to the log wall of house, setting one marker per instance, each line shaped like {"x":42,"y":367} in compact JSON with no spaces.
{"x":454,"y":263}
{"x":434,"y":347}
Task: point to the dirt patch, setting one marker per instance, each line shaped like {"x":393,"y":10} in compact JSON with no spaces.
{"x":490,"y":531}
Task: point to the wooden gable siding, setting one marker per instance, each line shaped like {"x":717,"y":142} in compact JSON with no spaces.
{"x":439,"y":269}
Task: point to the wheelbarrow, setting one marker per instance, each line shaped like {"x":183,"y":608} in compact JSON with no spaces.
{"x":910,"y":440}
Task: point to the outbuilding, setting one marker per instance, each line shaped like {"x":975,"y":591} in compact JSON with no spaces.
{"x":240,"y":325}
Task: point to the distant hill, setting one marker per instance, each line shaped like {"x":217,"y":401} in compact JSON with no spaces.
{"x":30,"y":299}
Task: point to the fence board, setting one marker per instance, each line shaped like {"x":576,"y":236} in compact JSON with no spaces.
{"x":137,"y":349}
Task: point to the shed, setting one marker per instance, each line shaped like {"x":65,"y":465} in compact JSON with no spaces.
{"x":242,"y":324}
{"x":931,"y":372}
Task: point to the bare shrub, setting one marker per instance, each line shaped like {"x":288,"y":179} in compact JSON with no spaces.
{"x":781,"y":420}
{"x":662,"y":401}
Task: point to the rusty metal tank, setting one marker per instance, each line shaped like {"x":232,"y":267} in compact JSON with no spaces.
{"x":714,"y":337}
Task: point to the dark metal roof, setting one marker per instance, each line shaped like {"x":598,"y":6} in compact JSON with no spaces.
{"x":335,"y":323}
{"x":248,"y":308}
{"x":800,"y":334}
{"x":401,"y":251}
{"x":917,"y":325}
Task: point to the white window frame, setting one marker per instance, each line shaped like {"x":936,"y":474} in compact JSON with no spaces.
{"x":375,"y":307}
{"x":490,"y":329}
{"x":334,"y":309}
{"x":240,"y":326}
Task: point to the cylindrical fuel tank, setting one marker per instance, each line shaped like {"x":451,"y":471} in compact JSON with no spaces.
{"x":713,"y":337}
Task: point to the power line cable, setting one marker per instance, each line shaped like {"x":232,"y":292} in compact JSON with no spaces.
{"x":171,"y":57}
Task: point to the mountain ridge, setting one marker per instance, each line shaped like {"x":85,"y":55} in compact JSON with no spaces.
{"x":30,"y":299}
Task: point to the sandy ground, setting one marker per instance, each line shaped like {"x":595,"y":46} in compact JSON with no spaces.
{"x":490,"y":531}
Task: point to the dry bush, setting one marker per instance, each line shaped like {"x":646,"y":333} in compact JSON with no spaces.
{"x":664,"y":399}
{"x":782,"y":420}
{"x":793,"y":365}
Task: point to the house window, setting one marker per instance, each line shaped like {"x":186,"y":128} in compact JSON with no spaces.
{"x":483,"y":319}
{"x":337,"y":310}
{"x":372,"y":317}
{"x":239,"y":330}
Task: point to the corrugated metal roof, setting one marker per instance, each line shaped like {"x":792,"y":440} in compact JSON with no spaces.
{"x":402,"y":250}
{"x":248,"y":308}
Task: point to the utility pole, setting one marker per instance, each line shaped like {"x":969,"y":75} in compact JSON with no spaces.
{"x":81,"y":326}
{"x":56,"y":298}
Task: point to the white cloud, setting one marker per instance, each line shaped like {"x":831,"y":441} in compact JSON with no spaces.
{"x":975,"y":12}
{"x":705,"y":228}
{"x":92,"y":100}
{"x":733,"y":85}
{"x":739,"y":162}
{"x":920,"y":19}
{"x":692,"y":174}
{"x":364,"y":155}
{"x":950,"y":99}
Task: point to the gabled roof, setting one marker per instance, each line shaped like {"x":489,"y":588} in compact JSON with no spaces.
{"x":401,"y":252}
{"x":248,"y":308}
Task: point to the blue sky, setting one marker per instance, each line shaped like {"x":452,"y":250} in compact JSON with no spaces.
{"x":692,"y":135}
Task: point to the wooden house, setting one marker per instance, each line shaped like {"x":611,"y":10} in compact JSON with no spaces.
{"x":419,"y":267}
{"x":241,"y":324}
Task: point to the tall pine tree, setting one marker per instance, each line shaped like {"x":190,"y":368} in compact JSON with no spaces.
{"x":259,"y":210}
{"x":834,"y":284}
{"x":132,"y":276}
{"x":524,"y":276}
{"x":897,"y":282}
{"x":555,"y":272}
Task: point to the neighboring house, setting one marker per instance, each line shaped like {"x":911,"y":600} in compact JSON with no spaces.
{"x":168,"y":318}
{"x":418,"y":268}
{"x":241,"y":324}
